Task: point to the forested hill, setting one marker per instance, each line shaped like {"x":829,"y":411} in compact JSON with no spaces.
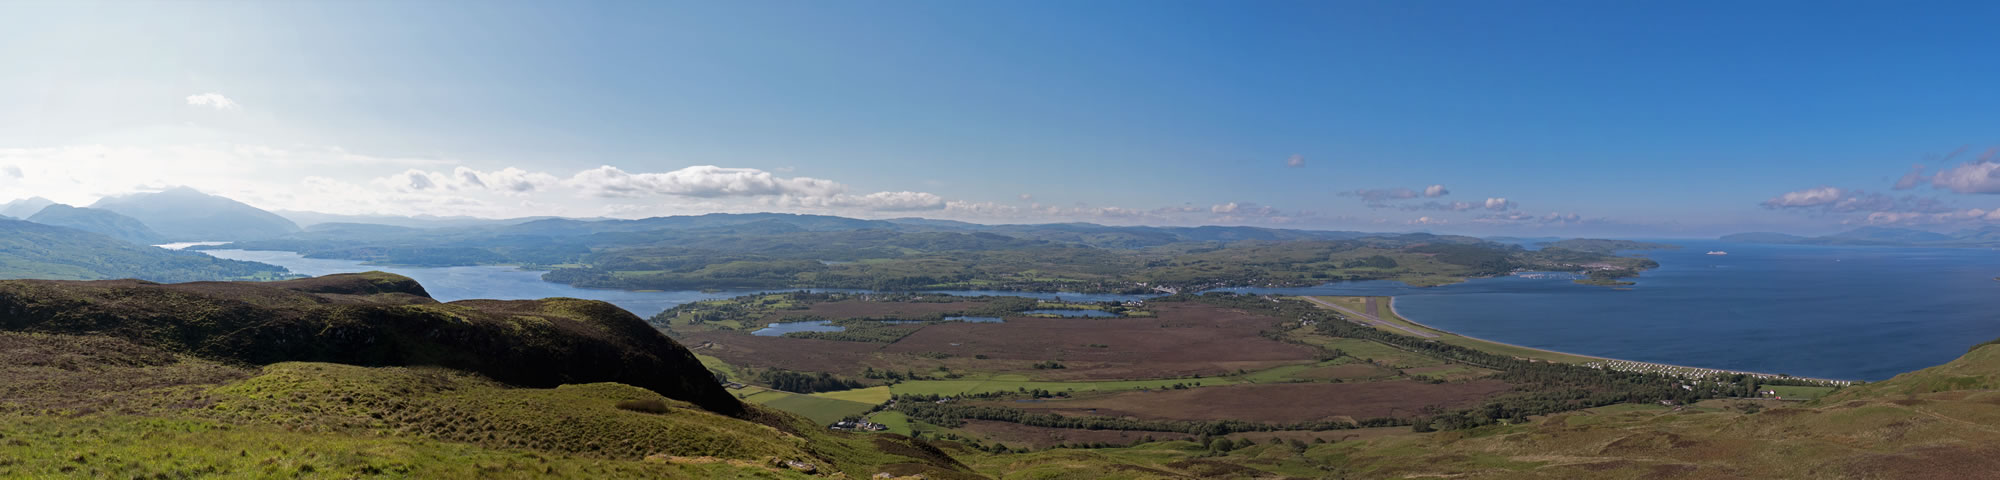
{"x":765,"y":250}
{"x":34,"y":250}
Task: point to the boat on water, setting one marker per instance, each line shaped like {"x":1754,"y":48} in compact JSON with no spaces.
{"x":1718,"y":252}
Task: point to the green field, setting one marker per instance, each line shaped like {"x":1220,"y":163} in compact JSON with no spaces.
{"x":870,"y":395}
{"x":819,"y":409}
{"x":896,"y":421}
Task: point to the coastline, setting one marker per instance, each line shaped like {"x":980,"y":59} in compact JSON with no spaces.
{"x":1613,"y":362}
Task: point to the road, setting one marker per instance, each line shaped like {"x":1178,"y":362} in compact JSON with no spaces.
{"x":1370,"y":319}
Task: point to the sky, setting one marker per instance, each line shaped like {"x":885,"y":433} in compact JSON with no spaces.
{"x":1544,"y":118}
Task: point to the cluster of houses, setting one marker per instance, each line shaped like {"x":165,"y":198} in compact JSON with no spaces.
{"x":1692,"y":372}
{"x":858,"y":426}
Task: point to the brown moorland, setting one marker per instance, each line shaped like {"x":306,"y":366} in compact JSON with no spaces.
{"x":1278,"y":403}
{"x":1184,"y":339}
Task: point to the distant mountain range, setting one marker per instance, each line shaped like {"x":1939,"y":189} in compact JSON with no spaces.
{"x":25,"y":207}
{"x":98,"y":221}
{"x":1880,"y":236}
{"x":185,"y":215}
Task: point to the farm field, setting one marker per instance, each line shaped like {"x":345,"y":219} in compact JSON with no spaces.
{"x":1013,"y":383}
{"x":870,"y":395}
{"x":1277,"y":403}
{"x":819,"y":409}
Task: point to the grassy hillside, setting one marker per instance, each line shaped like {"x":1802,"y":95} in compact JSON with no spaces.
{"x":375,"y":319}
{"x":363,"y":375}
{"x":96,"y":406}
{"x":34,"y":250}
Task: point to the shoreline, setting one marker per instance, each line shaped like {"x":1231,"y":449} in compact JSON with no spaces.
{"x":1661,"y":366}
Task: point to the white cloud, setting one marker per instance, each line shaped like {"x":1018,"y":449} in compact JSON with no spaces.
{"x":1435,"y":191}
{"x":1239,"y":210}
{"x":1027,"y":197}
{"x":891,"y":201}
{"x":700,"y":181}
{"x":1296,"y":161}
{"x":211,"y":100}
{"x":1811,"y":197}
{"x":1972,"y":177}
{"x":13,"y":171}
{"x":1499,"y":204}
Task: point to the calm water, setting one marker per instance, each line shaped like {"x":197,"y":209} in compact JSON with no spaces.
{"x":508,"y":283}
{"x":1863,"y":313}
{"x":1068,"y":312}
{"x":780,"y":329}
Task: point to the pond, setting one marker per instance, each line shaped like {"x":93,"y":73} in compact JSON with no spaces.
{"x":1071,"y":312}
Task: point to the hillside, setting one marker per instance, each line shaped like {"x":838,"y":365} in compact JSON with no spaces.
{"x":186,"y":215}
{"x":1923,"y":425}
{"x":34,"y":250}
{"x":362,"y":375}
{"x":372,"y":319}
{"x":101,"y":222}
{"x":24,"y":208}
{"x":768,"y":250}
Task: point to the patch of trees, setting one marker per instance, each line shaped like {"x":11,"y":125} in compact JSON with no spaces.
{"x":953,"y":414}
{"x":1049,"y":365}
{"x":802,"y":382}
{"x":1373,"y":261}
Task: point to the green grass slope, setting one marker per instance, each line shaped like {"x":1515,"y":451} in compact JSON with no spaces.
{"x":97,"y":406}
{"x":372,"y":319}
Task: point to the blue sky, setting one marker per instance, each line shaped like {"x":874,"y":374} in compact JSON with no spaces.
{"x":1540,"y":118}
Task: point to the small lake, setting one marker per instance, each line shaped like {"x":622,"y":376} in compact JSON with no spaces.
{"x":780,"y":329}
{"x":976,"y":319}
{"x":1071,"y":312}
{"x":508,"y":283}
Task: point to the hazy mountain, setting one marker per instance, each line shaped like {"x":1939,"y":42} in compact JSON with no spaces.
{"x":359,"y":229}
{"x":33,"y":250}
{"x":184,"y":215}
{"x":308,"y":219}
{"x":1888,"y":235}
{"x":1880,"y":236}
{"x":98,"y":221}
{"x":25,"y":207}
{"x":1764,"y":237}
